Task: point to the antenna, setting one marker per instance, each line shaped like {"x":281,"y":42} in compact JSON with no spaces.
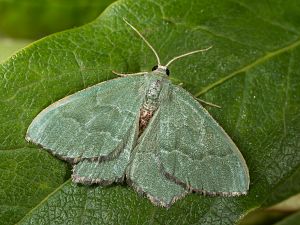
{"x":150,"y":46}
{"x":155,"y":53}
{"x":186,"y":54}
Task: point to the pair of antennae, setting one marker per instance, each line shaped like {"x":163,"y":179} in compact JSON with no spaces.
{"x":155,"y":53}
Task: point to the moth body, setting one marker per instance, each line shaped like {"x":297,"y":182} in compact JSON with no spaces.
{"x":152,"y":96}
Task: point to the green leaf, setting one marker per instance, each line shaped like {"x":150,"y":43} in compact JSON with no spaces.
{"x":273,"y":214}
{"x":34,"y":19}
{"x":27,"y":176}
{"x":290,"y":220}
{"x":252,"y":72}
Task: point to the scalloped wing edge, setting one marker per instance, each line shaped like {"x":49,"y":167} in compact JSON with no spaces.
{"x":201,"y":191}
{"x":152,"y":198}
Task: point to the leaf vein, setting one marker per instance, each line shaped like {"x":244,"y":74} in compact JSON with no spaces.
{"x":247,"y":67}
{"x":264,"y":19}
{"x":44,"y":200}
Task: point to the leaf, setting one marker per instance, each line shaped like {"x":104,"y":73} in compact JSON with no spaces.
{"x":290,"y":220}
{"x":252,"y":72}
{"x":27,"y":176}
{"x":270,"y":215}
{"x":35,"y":19}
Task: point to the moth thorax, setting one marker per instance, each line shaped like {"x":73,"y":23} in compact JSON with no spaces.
{"x":154,"y":90}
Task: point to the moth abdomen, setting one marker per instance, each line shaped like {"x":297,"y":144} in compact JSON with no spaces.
{"x":150,"y":104}
{"x":145,"y":116}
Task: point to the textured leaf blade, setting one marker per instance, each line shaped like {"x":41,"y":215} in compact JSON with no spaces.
{"x":27,"y":171}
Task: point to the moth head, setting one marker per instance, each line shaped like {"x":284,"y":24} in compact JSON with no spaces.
{"x":161,"y":69}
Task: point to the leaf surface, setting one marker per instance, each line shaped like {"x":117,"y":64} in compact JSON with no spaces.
{"x":290,"y":220}
{"x":252,"y":72}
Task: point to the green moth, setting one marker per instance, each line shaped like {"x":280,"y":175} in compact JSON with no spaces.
{"x":146,"y":131}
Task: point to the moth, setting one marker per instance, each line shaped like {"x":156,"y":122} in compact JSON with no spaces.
{"x":143,"y":130}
